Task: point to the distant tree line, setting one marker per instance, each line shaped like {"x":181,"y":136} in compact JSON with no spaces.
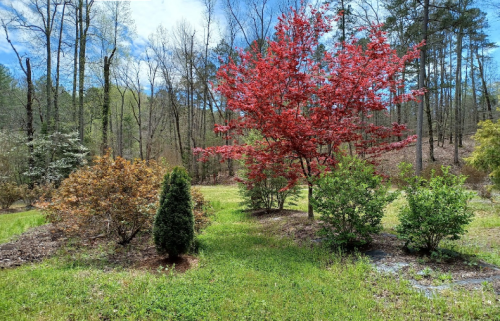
{"x":81,"y":68}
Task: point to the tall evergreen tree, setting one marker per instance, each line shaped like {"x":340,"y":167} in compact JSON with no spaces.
{"x":173,"y":229}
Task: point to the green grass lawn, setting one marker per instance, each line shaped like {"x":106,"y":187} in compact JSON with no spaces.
{"x":243,"y":273}
{"x":17,"y":223}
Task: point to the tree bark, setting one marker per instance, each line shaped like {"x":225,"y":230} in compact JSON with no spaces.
{"x":485,"y":88}
{"x":106,"y":102}
{"x":58,"y":64}
{"x":48,"y":85}
{"x":420,"y":114}
{"x":29,"y":118}
{"x":458,"y":80}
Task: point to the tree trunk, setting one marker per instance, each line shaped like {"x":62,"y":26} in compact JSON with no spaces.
{"x":58,"y":64}
{"x":75,"y":69}
{"x":420,"y":114}
{"x":475,"y":116}
{"x":310,"y":212}
{"x":398,"y":107}
{"x":429,"y":119}
{"x":29,"y":118}
{"x":485,"y":88}
{"x":81,"y":80}
{"x":441,"y":119}
{"x":458,"y":80}
{"x":48,"y":85}
{"x":106,"y":102}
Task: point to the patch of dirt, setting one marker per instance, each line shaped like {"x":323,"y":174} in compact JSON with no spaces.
{"x":32,"y":246}
{"x":13,"y":210}
{"x":43,"y":241}
{"x":160,"y":264}
{"x":289,"y":223}
{"x":452,"y":269}
{"x":388,"y":162}
{"x":387,"y":254}
{"x":140,"y":254}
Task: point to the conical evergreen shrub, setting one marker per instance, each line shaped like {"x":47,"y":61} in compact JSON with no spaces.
{"x":173,"y":229}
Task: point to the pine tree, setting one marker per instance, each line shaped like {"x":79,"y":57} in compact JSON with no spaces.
{"x":173,"y":229}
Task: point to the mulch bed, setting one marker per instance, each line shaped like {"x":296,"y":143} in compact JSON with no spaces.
{"x":31,"y":246}
{"x":387,"y":254}
{"x":43,"y":241}
{"x":13,"y":210}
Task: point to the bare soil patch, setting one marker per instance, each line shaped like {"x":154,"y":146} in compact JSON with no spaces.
{"x":13,"y":210}
{"x":388,"y":255}
{"x":140,"y":254}
{"x":165,"y":265}
{"x":32,"y":246}
{"x":43,"y":241}
{"x":388,"y":162}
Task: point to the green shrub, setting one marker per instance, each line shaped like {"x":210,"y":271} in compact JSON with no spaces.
{"x":486,"y":155}
{"x":9,"y":194}
{"x":351,"y":201}
{"x":173,"y":228}
{"x":270,"y":189}
{"x":437,"y":209}
{"x":55,"y":156}
{"x":268,"y":192}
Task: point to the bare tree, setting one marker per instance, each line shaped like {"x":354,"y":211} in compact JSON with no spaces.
{"x":29,"y":98}
{"x":84,"y":10}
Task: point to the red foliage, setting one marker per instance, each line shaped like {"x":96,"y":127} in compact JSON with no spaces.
{"x":306,"y":108}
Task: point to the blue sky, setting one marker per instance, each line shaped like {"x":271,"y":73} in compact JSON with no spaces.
{"x":149,"y":14}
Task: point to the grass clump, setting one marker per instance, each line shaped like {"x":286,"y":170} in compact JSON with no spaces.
{"x":18,"y":223}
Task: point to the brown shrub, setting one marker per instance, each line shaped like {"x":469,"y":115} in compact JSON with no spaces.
{"x":114,"y":197}
{"x":39,"y":193}
{"x":426,"y":172}
{"x":9,"y":194}
{"x":201,"y":209}
{"x":474,"y":176}
{"x":484,"y":191}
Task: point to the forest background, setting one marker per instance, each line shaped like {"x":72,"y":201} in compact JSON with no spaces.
{"x":82,"y":76}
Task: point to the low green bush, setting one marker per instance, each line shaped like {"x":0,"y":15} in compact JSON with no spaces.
{"x":267,"y":193}
{"x":436,"y":209}
{"x":351,"y":201}
{"x":486,"y":156}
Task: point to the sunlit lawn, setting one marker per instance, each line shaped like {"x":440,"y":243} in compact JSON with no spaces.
{"x":17,"y":223}
{"x":242,"y":273}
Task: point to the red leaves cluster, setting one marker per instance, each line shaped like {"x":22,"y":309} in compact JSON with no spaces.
{"x":306,"y":104}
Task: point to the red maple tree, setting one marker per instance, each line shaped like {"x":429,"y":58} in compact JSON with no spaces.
{"x":306,"y":103}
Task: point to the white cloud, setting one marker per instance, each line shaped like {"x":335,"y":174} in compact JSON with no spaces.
{"x":148,"y":15}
